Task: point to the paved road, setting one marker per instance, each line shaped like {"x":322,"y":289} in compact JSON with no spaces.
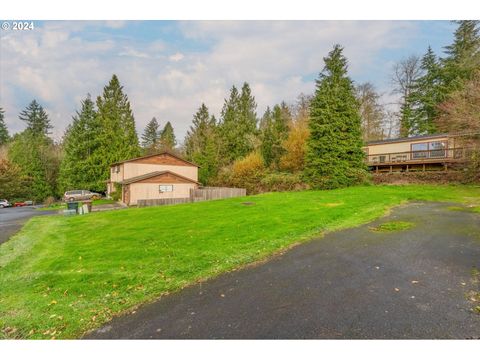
{"x":12,"y":219}
{"x":351,"y":284}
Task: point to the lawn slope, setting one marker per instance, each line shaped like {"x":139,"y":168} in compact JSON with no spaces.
{"x":61,"y":276}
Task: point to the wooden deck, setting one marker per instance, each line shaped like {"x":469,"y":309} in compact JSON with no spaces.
{"x":416,"y":160}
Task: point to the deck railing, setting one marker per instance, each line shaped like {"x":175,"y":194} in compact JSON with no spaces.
{"x":420,"y":156}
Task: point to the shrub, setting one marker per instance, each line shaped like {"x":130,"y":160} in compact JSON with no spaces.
{"x":282,"y":182}
{"x":49,"y":201}
{"x":117,"y":193}
{"x":245,"y":173}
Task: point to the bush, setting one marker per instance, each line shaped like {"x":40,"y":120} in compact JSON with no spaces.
{"x":245,"y":173}
{"x":49,"y":201}
{"x":117,"y":193}
{"x":282,"y":182}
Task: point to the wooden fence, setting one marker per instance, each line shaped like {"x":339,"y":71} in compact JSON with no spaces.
{"x":201,"y":194}
{"x":166,"y":201}
{"x":213,"y":193}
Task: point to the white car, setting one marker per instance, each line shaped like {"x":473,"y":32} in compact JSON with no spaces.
{"x":4,"y":203}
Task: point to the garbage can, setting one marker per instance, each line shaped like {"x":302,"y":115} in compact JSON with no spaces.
{"x":89,"y":205}
{"x":72,"y":205}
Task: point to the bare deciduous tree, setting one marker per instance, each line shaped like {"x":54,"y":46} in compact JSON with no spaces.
{"x":405,"y":73}
{"x":371,"y":112}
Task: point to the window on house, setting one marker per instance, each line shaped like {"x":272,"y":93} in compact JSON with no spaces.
{"x":420,"y":151}
{"x":166,"y":188}
{"x":437,"y":149}
{"x":117,"y":169}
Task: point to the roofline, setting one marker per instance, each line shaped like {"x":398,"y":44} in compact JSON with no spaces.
{"x":156,"y":154}
{"x":153,"y":174}
{"x":405,"y":139}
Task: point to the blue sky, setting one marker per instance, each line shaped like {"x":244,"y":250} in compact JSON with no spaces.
{"x":168,"y":68}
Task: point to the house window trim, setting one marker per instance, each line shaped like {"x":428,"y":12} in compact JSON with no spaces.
{"x":165,"y":185}
{"x":428,"y":151}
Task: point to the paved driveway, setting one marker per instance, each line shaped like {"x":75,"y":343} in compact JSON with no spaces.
{"x":350,"y":284}
{"x":12,"y":219}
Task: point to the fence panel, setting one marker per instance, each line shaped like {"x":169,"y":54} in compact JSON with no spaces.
{"x":214,"y":193}
{"x":201,"y":194}
{"x":166,"y":201}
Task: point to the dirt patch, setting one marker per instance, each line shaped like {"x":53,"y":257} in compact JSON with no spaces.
{"x":393,"y":226}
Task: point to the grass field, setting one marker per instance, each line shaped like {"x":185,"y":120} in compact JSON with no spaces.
{"x":61,"y":276}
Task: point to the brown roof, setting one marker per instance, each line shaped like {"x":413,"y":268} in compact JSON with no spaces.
{"x":153,"y":174}
{"x":152,"y":155}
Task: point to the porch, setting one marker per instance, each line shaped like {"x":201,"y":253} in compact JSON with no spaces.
{"x":421,"y":160}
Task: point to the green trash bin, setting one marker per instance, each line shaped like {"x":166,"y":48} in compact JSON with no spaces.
{"x":72,"y":205}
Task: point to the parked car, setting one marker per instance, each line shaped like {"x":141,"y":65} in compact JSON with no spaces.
{"x":4,"y":203}
{"x":75,"y":195}
{"x":19,"y":203}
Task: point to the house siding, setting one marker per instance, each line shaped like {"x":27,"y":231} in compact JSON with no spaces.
{"x":403,"y":146}
{"x":137,"y":169}
{"x":140,"y":191}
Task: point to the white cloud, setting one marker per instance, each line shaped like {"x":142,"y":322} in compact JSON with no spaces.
{"x":61,"y":62}
{"x":176,"y":57}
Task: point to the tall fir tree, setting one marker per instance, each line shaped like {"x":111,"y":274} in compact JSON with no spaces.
{"x":117,"y":137}
{"x":36,"y":119}
{"x":426,"y":95}
{"x":34,"y":152}
{"x":238,"y":124}
{"x":168,"y":140}
{"x":334,"y":156}
{"x":274,"y":131}
{"x":79,"y":144}
{"x":4,"y":137}
{"x":201,"y":144}
{"x":151,"y":137}
{"x":463,"y":56}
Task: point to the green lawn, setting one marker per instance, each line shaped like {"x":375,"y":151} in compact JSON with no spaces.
{"x":61,"y":276}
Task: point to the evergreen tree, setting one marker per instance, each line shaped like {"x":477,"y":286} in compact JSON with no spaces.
{"x":238,"y":124}
{"x":334,"y":155}
{"x":274,"y":131}
{"x":151,"y":137}
{"x":31,"y":153}
{"x":463,"y":56}
{"x":36,"y":118}
{"x":167,"y":137}
{"x":4,"y":137}
{"x":79,"y":143}
{"x":201,"y":145}
{"x":35,"y":153}
{"x":267,"y":137}
{"x":117,"y":137}
{"x":426,"y":95}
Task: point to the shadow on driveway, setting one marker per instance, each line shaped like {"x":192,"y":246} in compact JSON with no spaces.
{"x":351,"y":284}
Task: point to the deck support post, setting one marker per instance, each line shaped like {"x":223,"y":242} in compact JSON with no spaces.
{"x":376,"y":169}
{"x":424,"y":167}
{"x":391,"y":168}
{"x":407,"y":167}
{"x":445,"y":166}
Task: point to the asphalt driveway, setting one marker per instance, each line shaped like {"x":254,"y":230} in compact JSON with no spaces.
{"x":12,"y":219}
{"x":351,"y":284}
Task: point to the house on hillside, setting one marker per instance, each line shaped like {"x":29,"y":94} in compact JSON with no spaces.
{"x":157,"y":176}
{"x":418,"y":153}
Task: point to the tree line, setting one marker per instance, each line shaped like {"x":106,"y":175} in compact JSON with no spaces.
{"x":314,"y":143}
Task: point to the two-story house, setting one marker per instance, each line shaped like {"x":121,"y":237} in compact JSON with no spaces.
{"x":157,"y":176}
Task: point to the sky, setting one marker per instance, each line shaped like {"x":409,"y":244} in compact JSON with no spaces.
{"x":169,"y":68}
